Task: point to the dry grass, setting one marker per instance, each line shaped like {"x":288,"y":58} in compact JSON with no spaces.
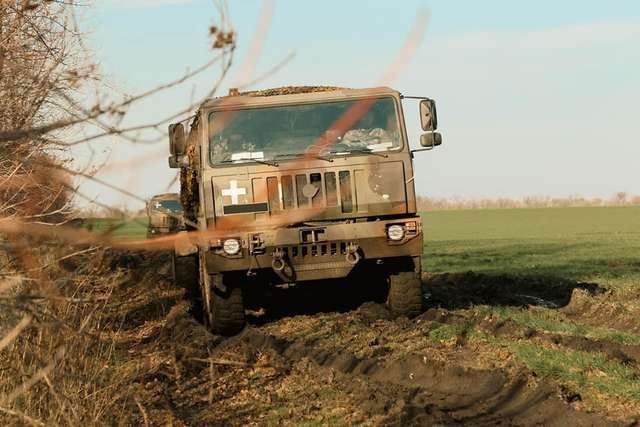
{"x":68,"y":356}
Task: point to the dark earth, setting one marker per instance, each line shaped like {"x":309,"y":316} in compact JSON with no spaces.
{"x":307,"y":359}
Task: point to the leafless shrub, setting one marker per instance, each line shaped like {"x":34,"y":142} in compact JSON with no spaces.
{"x":46,"y":79}
{"x":41,"y":68}
{"x":54,"y":355}
{"x":67,"y":358}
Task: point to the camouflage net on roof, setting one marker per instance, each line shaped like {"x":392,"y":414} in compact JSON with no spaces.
{"x":289,"y":90}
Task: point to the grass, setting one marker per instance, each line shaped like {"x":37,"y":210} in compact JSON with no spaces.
{"x":572,"y":243}
{"x":579,"y":369}
{"x":583,"y":371}
{"x":592,"y":244}
{"x":554,"y":321}
{"x":548,"y":223}
{"x":453,"y":331}
{"x":119,"y":229}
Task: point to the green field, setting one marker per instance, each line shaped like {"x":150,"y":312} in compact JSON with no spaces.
{"x":119,"y":229}
{"x":583,"y":244}
{"x":591,"y":254}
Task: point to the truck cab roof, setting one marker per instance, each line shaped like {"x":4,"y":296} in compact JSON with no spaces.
{"x":293,"y":94}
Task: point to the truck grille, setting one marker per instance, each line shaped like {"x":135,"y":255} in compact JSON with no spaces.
{"x":329,"y":249}
{"x":168,"y":221}
{"x":332,"y":189}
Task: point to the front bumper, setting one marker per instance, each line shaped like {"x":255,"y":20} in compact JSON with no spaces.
{"x":312,"y":253}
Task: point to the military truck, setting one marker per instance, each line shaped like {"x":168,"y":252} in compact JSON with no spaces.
{"x":164,"y":212}
{"x":299,"y":184}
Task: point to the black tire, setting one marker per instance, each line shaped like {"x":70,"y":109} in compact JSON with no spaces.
{"x":185,"y":271}
{"x":224,"y":313}
{"x":185,"y":274}
{"x":405,"y":294}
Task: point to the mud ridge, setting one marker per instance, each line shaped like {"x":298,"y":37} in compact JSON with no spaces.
{"x":625,"y":354}
{"x":431,"y":392}
{"x":601,"y":311}
{"x":615,"y":351}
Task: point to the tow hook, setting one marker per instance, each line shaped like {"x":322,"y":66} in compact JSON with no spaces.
{"x":278,"y":260}
{"x":352,"y":256}
{"x":280,"y":266}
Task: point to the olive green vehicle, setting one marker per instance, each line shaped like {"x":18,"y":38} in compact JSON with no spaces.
{"x":164,"y":212}
{"x":299,"y":184}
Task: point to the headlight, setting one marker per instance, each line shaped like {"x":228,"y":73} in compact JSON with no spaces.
{"x":231,"y":246}
{"x":395,"y":232}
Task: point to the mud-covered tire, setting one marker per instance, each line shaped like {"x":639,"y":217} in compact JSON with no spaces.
{"x":228,"y":312}
{"x":405,"y":294}
{"x":185,"y":273}
{"x":224,"y":313}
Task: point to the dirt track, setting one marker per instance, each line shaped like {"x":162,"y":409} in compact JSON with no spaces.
{"x":339,"y":364}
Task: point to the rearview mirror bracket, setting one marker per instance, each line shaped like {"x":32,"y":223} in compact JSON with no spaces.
{"x":429,"y":141}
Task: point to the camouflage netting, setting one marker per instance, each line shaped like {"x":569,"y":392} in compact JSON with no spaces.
{"x":189,"y":195}
{"x":290,"y":90}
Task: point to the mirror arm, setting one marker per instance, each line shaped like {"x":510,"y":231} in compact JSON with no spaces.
{"x":414,"y":97}
{"x":423,"y":149}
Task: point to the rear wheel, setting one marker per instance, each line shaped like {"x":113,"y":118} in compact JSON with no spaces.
{"x":405,"y":294}
{"x":185,"y":274}
{"x":185,"y":270}
{"x":223,"y":310}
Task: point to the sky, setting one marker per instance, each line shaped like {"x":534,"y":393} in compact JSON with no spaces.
{"x":534,"y":98}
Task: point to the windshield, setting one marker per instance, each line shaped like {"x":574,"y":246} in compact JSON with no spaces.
{"x":269,"y":133}
{"x":168,"y":205}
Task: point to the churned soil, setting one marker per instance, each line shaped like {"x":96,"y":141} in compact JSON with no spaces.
{"x":315,"y":354}
{"x":303,"y":361}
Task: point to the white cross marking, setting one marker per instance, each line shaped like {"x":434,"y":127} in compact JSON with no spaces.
{"x":233,"y":191}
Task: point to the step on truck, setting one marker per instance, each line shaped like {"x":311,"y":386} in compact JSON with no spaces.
{"x":298,"y":184}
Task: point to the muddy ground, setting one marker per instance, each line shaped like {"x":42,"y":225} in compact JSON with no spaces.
{"x":306,"y":359}
{"x":130,"y":352}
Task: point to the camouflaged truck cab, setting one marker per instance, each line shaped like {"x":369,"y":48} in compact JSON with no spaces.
{"x":299,"y":184}
{"x":164,"y":213}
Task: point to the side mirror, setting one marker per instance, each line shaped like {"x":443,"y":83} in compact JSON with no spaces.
{"x":174,"y":162}
{"x":428,"y":115}
{"x":430,"y":140}
{"x":177,"y":139}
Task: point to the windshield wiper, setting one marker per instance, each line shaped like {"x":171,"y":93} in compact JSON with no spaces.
{"x":315,"y":156}
{"x":244,"y":159}
{"x":359,"y":151}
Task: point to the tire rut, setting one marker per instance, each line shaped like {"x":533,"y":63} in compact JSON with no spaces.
{"x":414,"y":390}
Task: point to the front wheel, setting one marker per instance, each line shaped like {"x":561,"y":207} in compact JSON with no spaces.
{"x":405,"y":294}
{"x":223,"y":310}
